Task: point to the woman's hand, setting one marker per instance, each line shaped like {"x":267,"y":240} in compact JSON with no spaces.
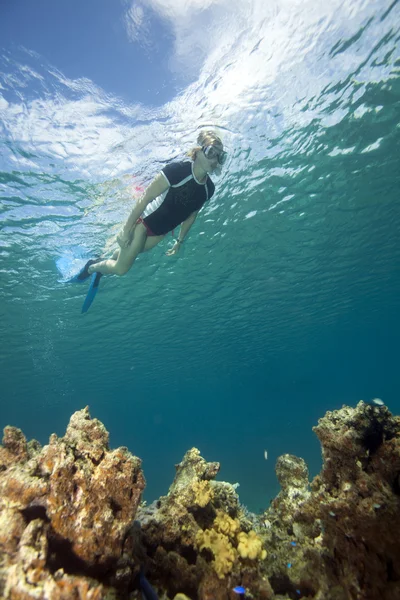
{"x":124,"y":239}
{"x":174,"y":249}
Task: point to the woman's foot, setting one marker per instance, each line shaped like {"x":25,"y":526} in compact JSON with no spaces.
{"x":85,"y":272}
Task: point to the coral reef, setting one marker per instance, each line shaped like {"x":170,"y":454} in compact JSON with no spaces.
{"x":190,"y":536}
{"x":337,"y":538}
{"x":65,"y":512}
{"x":72,"y":525}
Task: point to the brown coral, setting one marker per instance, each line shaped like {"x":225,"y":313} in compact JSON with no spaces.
{"x":70,"y":504}
{"x":340,"y":539}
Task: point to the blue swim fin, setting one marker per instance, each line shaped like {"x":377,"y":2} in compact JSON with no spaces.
{"x":94,"y":286}
{"x":147,"y":590}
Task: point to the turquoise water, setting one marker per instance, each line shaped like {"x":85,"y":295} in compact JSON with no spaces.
{"x":284,"y":301}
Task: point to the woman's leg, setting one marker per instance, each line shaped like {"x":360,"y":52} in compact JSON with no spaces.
{"x":151,"y":241}
{"x":125,"y":257}
{"x":122,"y":260}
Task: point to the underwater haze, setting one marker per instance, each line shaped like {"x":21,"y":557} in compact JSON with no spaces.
{"x":284,"y":300}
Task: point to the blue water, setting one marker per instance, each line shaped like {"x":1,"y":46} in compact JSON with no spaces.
{"x":284,"y":301}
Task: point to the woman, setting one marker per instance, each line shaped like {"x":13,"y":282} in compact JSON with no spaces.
{"x":173,"y":198}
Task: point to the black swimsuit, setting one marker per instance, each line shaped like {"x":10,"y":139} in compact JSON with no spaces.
{"x":184,"y":196}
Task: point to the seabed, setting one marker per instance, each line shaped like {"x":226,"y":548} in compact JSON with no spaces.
{"x":73,"y":526}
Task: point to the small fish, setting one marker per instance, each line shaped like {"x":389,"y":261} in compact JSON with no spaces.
{"x":266,"y":454}
{"x":239,"y":589}
{"x":377,"y":402}
{"x":148,"y":592}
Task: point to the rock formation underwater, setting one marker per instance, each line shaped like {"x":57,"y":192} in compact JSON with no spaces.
{"x":72,"y":524}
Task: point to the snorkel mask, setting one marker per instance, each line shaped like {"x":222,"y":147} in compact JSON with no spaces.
{"x":211,"y":152}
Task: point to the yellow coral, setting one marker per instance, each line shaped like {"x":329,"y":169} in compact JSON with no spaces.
{"x":223,"y":551}
{"x":202,"y":492}
{"x":250,"y":546}
{"x":225,"y":524}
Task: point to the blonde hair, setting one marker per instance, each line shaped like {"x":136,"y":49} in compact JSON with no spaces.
{"x":205,"y":138}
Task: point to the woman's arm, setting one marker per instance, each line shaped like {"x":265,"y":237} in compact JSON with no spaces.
{"x":186,"y":225}
{"x":158,"y":186}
